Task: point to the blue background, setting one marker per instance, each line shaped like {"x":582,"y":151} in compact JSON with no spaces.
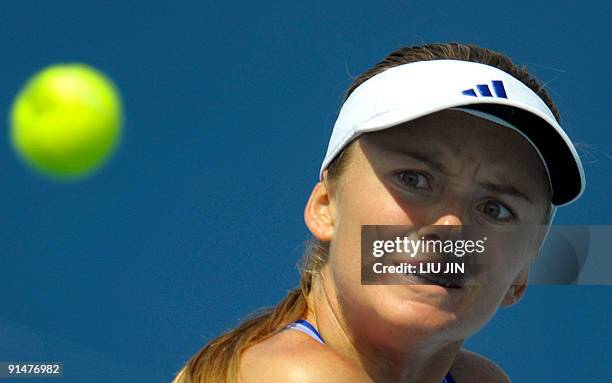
{"x":198,"y":218}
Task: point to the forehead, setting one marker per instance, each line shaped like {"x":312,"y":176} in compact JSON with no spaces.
{"x":455,"y":133}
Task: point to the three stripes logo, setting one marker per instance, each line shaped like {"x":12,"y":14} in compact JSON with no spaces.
{"x":485,"y":91}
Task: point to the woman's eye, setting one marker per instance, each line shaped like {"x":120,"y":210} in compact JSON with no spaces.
{"x":414,"y":180}
{"x":497,"y":211}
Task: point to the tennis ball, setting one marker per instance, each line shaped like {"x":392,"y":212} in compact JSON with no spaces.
{"x":66,"y":121}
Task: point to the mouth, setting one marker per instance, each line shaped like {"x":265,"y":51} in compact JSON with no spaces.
{"x":448,"y":281}
{"x":433,"y":279}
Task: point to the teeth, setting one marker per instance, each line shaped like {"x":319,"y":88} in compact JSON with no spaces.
{"x":435,"y":279}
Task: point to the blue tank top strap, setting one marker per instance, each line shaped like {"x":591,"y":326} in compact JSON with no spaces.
{"x":449,"y":379}
{"x":307,"y":328}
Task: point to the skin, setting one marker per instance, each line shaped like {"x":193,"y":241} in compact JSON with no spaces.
{"x":414,"y":332}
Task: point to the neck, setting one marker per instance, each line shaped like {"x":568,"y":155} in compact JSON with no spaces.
{"x":384,"y":353}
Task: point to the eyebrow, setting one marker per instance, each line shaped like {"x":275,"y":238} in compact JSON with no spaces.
{"x":505,"y":189}
{"x":429,"y":159}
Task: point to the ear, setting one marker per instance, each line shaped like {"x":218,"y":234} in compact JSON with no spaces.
{"x":319,"y":213}
{"x":517,"y":288}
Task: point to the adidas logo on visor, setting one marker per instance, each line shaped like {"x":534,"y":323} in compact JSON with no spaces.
{"x":485,"y":91}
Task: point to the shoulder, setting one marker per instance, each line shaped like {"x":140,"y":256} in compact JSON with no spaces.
{"x":472,"y":367}
{"x":293,"y":357}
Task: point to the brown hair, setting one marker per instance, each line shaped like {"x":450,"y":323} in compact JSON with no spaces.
{"x":218,"y":360}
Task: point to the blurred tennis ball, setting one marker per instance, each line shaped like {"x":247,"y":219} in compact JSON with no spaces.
{"x":66,"y":121}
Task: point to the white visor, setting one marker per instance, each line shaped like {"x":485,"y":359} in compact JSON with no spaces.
{"x":409,"y":91}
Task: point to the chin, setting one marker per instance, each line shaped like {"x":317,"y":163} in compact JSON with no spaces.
{"x":423,"y":308}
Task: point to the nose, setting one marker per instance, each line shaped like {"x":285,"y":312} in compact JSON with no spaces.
{"x":449,"y":220}
{"x":445,"y":227}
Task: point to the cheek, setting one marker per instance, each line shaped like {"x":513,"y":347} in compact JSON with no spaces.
{"x":372,"y":204}
{"x":368,"y":206}
{"x":505,"y":255}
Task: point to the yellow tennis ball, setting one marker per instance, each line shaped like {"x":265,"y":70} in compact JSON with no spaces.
{"x":66,"y":121}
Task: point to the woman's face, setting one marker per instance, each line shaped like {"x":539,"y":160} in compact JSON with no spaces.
{"x":449,"y":168}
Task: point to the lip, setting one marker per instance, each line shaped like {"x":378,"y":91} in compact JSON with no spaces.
{"x":446,"y":282}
